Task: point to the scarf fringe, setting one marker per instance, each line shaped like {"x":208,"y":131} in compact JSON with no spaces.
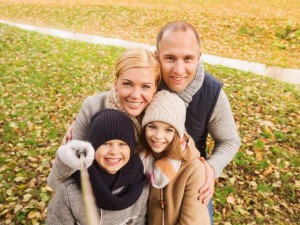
{"x":113,"y":102}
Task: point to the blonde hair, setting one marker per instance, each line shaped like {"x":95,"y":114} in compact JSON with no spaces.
{"x":137,"y":58}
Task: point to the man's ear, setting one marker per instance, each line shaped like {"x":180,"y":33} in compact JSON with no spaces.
{"x":199,"y":56}
{"x":156,"y":54}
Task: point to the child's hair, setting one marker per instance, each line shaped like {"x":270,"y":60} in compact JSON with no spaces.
{"x":168,"y":108}
{"x":138,"y":58}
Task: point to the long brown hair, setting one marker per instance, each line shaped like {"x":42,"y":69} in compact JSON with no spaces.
{"x":173,"y":150}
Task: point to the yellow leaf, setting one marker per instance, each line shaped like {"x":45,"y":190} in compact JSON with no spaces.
{"x":18,"y":179}
{"x":258,"y":214}
{"x":276,"y":208}
{"x":267,"y":123}
{"x":230,"y":200}
{"x":27,"y":197}
{"x":30,"y":125}
{"x":4,"y":212}
{"x":13,"y":125}
{"x":297,"y":184}
{"x":9,"y":192}
{"x":8,"y":221}
{"x":232,"y":180}
{"x":253,"y":184}
{"x":32,"y":182}
{"x":17,"y":208}
{"x":32,"y":214}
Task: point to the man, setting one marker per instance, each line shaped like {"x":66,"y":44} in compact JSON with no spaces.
{"x":208,"y":108}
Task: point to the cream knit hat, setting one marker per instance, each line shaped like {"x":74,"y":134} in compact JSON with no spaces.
{"x":166,"y":107}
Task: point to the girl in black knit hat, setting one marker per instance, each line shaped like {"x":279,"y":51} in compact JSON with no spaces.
{"x":116,"y":175}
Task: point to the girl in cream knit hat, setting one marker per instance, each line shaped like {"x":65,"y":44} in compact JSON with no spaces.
{"x":171,"y":164}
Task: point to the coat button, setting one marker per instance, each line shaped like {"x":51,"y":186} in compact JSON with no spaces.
{"x":130,"y":221}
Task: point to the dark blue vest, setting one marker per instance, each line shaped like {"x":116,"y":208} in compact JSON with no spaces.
{"x":200,"y":109}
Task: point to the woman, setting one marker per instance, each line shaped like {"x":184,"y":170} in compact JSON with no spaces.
{"x":137,"y":73}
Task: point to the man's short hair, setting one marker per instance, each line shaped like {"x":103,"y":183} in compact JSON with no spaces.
{"x":176,"y":26}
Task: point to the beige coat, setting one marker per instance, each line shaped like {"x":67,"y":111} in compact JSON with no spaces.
{"x":177,"y":202}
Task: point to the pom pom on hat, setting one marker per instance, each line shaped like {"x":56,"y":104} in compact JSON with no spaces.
{"x":166,"y":107}
{"x":110,"y":124}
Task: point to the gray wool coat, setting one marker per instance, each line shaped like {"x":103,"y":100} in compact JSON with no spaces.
{"x":66,"y":208}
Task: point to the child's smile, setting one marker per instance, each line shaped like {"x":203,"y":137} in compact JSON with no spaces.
{"x":112,"y":155}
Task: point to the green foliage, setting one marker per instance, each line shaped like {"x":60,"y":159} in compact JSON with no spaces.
{"x":263,"y":187}
{"x":259,"y":144}
{"x":265,"y":172}
{"x":43,"y":83}
{"x":266,"y":32}
{"x":263,"y":164}
{"x":239,"y":159}
{"x":224,"y":193}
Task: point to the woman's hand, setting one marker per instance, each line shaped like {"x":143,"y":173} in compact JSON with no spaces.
{"x":68,"y":135}
{"x":207,"y":190}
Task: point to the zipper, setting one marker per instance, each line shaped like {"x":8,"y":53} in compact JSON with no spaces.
{"x":162,"y":205}
{"x":100,"y":215}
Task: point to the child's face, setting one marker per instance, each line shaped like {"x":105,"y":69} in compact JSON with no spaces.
{"x":112,"y":155}
{"x":159,"y":135}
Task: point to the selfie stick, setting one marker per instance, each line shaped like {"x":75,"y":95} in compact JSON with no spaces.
{"x":91,"y":210}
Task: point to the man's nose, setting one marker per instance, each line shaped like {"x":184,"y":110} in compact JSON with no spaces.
{"x":179,"y":67}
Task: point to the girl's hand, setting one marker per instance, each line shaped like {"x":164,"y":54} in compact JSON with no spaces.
{"x":207,"y":190}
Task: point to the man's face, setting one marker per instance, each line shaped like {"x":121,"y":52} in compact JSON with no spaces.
{"x":178,"y":54}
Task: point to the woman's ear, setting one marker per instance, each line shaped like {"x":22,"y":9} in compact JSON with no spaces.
{"x":115,"y":84}
{"x":156,"y":86}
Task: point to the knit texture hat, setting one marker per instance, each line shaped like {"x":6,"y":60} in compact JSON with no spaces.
{"x":110,"y":124}
{"x":166,"y":107}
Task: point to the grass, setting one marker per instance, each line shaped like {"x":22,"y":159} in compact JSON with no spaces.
{"x":265,"y":31}
{"x":43,"y":83}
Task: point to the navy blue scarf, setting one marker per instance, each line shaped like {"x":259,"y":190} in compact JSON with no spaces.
{"x":116,"y":191}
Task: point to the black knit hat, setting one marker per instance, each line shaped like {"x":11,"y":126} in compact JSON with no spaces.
{"x":110,"y":124}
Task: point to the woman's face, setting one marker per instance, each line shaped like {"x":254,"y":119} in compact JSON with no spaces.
{"x":136,"y":88}
{"x":112,"y":155}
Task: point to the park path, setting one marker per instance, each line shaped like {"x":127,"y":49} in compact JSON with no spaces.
{"x":284,"y":74}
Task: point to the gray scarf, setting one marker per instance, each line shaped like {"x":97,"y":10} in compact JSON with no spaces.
{"x":187,"y":94}
{"x":113,"y":102}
